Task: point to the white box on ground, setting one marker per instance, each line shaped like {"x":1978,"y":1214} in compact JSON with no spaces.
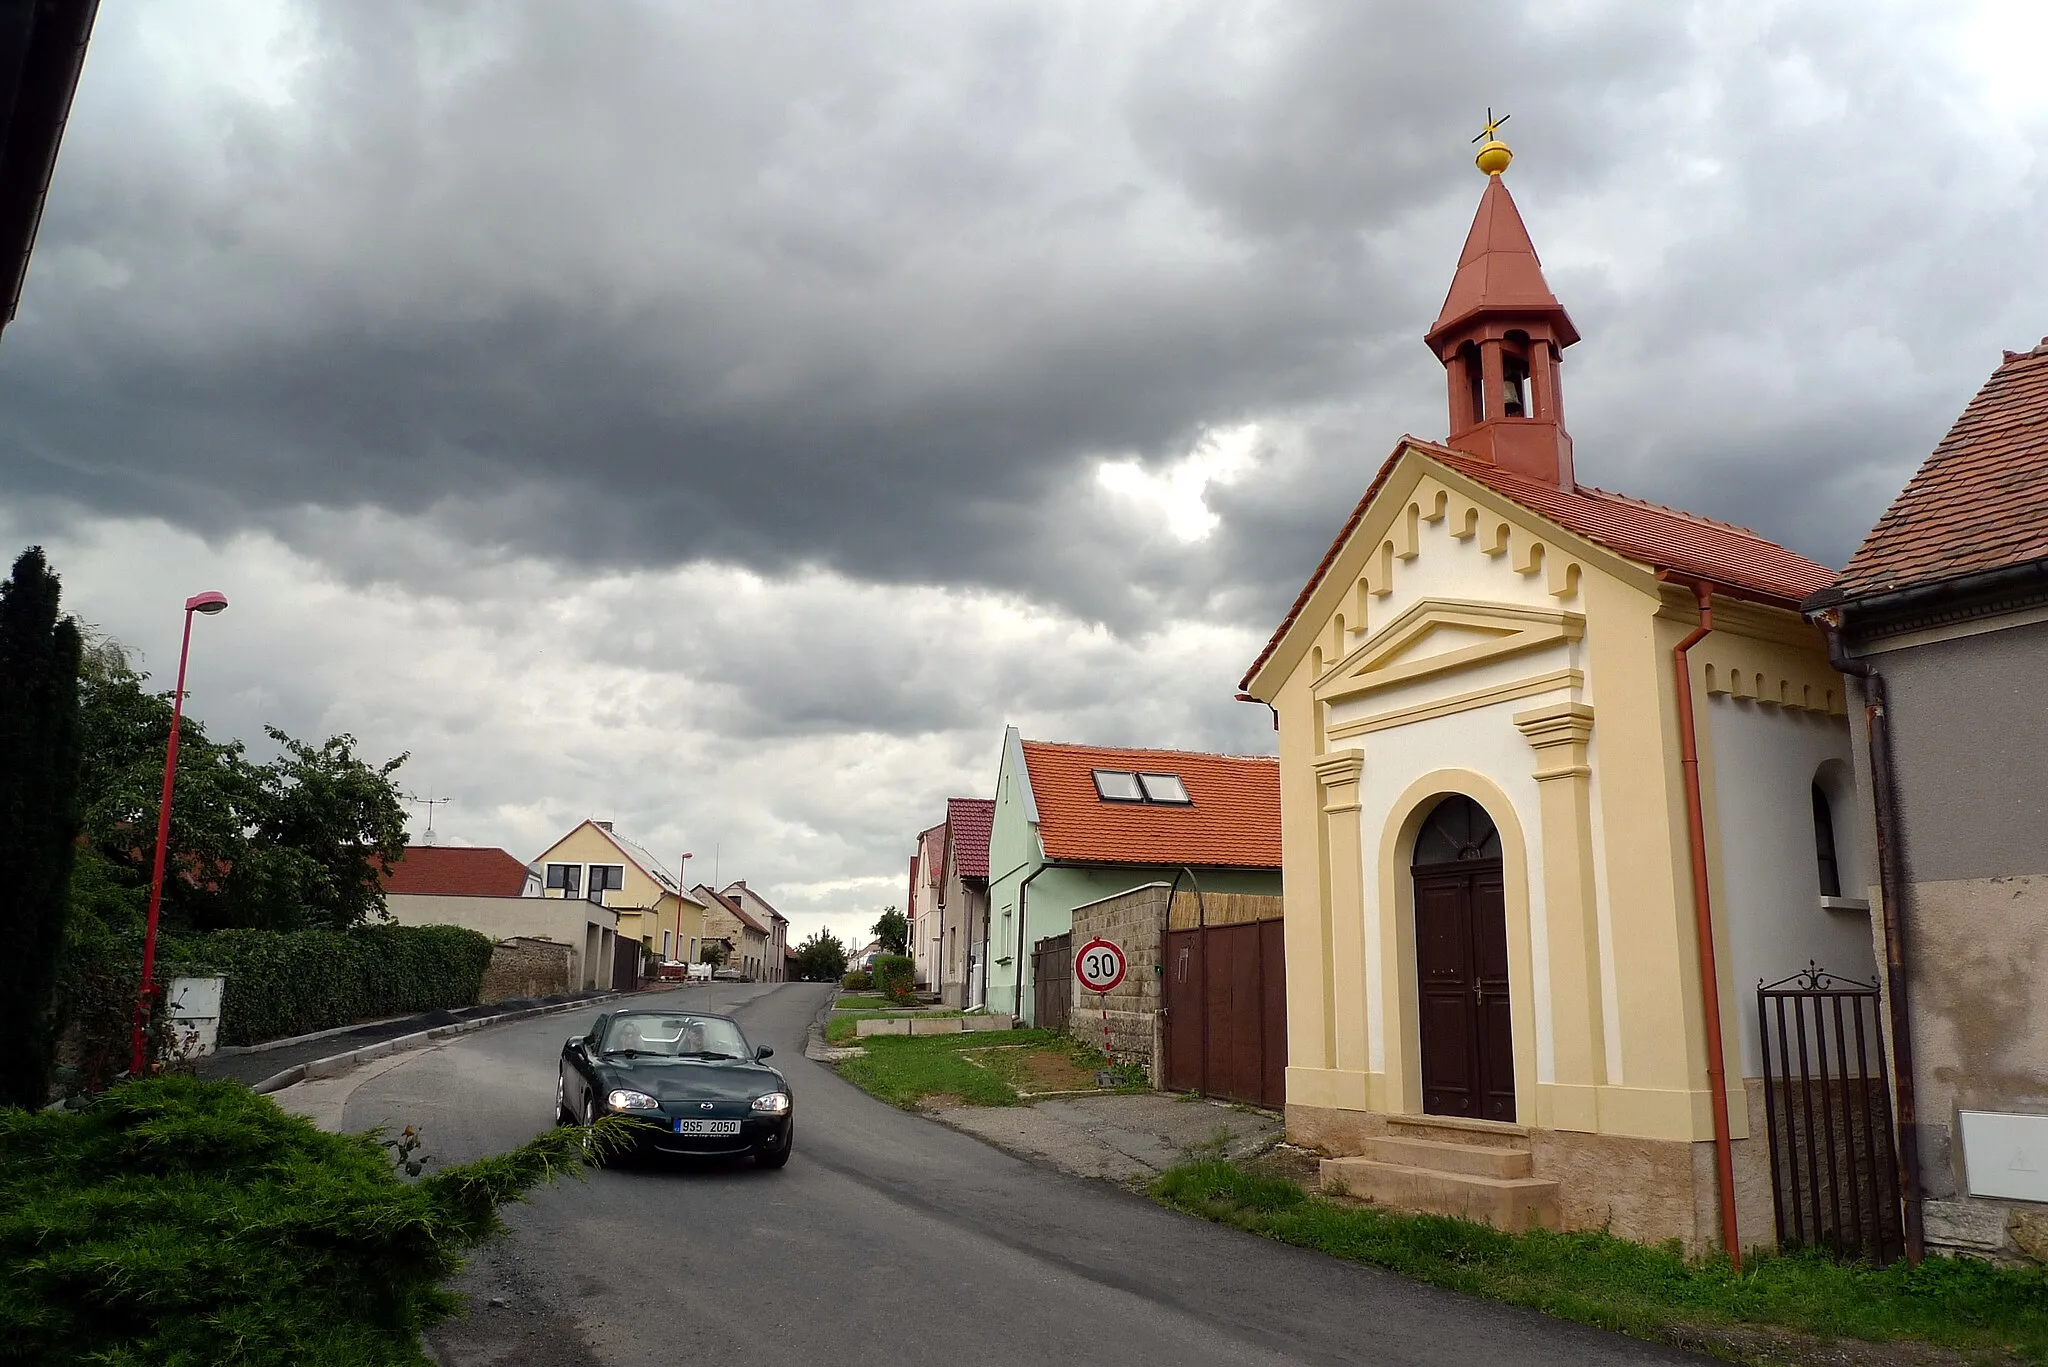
{"x":2006,"y":1155}
{"x":193,"y":1006}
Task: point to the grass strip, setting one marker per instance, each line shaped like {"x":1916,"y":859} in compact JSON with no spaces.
{"x":903,"y":1070}
{"x":841,"y":1026}
{"x":855,"y":1001}
{"x":1652,"y":1293}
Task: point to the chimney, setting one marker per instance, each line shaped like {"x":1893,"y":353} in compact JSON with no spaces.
{"x":604,"y":826}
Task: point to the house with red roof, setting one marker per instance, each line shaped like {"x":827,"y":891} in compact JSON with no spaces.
{"x":1941,"y":623}
{"x":774,"y":951}
{"x":1073,"y":824}
{"x":728,"y":920}
{"x":963,"y":902}
{"x":490,"y":890}
{"x":1563,"y":776}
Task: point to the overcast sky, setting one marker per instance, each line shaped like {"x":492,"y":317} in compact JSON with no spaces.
{"x":724,"y":418}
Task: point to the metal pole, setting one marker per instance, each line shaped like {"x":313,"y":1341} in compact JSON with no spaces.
{"x":156,"y":877}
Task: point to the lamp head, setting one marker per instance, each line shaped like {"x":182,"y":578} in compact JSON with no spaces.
{"x":208,"y":603}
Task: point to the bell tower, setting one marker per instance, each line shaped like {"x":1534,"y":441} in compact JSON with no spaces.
{"x":1501,"y":337}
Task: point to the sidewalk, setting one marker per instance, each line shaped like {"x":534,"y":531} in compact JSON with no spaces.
{"x":1127,"y":1138}
{"x":257,"y":1062}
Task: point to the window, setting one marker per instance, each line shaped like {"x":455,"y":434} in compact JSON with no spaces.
{"x":667,"y":943}
{"x":1468,"y":360}
{"x":1121,"y":785}
{"x":566,"y":879}
{"x":1824,"y":845}
{"x":1117,"y":785}
{"x":693,"y":949}
{"x":606,"y":878}
{"x":1458,"y":830}
{"x":1165,"y":788}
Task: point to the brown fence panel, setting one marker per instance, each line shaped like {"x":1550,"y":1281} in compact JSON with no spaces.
{"x":1052,"y":981}
{"x":1226,"y":1012}
{"x":1273,"y":1012}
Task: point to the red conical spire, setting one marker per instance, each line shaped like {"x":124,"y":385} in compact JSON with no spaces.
{"x":1499,"y":271}
{"x":1499,"y":336}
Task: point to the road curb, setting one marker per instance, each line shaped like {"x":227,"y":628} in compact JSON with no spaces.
{"x":334,"y":1065}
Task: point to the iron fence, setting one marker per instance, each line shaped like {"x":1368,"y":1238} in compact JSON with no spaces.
{"x":1827,"y":1106}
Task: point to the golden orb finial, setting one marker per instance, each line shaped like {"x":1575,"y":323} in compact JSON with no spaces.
{"x":1494,"y":154}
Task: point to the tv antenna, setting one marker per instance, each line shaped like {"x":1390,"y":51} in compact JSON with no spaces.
{"x":427,"y":837}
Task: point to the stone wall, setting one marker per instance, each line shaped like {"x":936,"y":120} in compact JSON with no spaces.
{"x":1132,"y":921}
{"x":524,"y":967}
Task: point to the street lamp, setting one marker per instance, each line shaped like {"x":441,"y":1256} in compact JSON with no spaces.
{"x":209,"y":603}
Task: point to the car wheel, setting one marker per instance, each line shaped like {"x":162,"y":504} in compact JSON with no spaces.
{"x":776,"y":1158}
{"x":563,"y":1115}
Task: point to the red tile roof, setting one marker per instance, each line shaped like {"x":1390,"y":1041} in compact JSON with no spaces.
{"x":1976,"y":505}
{"x":1731,"y":557}
{"x":1234,"y":821}
{"x":969,"y":821}
{"x":449,"y":871}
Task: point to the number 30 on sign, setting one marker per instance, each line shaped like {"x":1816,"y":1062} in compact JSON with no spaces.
{"x":1099,"y":966}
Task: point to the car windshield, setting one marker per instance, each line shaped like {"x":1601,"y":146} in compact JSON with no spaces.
{"x":655,"y":1035}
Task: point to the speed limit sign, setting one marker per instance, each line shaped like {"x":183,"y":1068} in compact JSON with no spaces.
{"x":1099,"y":966}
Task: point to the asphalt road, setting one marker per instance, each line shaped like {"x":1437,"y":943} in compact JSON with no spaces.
{"x":890,"y":1239}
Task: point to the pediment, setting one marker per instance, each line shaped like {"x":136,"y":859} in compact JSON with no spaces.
{"x":1441,"y":636}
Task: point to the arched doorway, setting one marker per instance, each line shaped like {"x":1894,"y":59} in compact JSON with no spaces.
{"x":1461,"y":965}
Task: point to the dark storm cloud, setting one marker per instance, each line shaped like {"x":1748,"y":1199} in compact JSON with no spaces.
{"x":874,"y":287}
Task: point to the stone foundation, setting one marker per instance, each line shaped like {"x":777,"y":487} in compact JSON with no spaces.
{"x":1650,"y":1191}
{"x":526,"y":967}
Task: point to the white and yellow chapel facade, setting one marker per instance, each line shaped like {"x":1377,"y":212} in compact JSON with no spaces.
{"x":1523,"y":724}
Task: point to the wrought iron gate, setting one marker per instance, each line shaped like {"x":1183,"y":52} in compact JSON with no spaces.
{"x":1827,"y":1106}
{"x":1052,"y":981}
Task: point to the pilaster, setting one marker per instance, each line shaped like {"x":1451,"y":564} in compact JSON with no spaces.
{"x":1559,"y":734}
{"x":1337,"y":778}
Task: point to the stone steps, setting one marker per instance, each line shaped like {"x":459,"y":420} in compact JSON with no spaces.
{"x":1438,"y":1165}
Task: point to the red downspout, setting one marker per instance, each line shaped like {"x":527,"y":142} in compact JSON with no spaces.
{"x":1703,"y":915}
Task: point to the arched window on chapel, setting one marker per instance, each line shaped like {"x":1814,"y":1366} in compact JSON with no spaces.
{"x":1824,"y":845}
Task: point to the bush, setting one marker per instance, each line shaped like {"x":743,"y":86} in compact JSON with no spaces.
{"x":860,"y":980}
{"x":177,"y":1221}
{"x":895,"y":977}
{"x":294,"y":982}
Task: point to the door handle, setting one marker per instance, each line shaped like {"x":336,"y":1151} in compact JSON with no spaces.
{"x":1479,"y":994}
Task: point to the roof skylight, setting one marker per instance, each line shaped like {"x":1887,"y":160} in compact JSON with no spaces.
{"x":1121,"y":785}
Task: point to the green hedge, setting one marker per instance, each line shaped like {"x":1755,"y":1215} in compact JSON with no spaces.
{"x":282,"y":983}
{"x":895,"y":976}
{"x":173,"y":1221}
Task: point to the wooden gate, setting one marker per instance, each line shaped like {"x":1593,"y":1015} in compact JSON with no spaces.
{"x":1052,"y":981}
{"x":1225,"y":996}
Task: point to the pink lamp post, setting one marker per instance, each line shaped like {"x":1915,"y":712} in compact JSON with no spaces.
{"x":682,"y":871}
{"x":209,"y":603}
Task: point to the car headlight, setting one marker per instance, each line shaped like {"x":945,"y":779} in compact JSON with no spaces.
{"x":623,"y":1100}
{"x":775,"y":1103}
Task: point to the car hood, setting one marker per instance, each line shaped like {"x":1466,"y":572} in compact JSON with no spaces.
{"x":692,"y":1079}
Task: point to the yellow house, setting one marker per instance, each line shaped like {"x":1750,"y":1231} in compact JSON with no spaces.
{"x":1524,"y":724}
{"x":595,"y":862}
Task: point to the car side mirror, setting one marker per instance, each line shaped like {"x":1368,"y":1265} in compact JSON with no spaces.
{"x":765,"y":1051}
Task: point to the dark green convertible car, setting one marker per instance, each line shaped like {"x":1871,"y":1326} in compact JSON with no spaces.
{"x":690,"y":1080}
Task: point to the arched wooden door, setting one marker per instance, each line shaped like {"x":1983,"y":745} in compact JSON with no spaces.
{"x":1461,"y":968}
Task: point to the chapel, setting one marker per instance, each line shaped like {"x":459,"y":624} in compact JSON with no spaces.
{"x":1565,"y":778}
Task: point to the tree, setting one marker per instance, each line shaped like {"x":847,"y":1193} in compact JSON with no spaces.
{"x":821,"y":958}
{"x":39,"y":775}
{"x":893,"y":930}
{"x":715,"y":953}
{"x":299,"y":841}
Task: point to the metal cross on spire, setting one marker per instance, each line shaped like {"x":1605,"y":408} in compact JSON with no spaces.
{"x":1491,"y":131}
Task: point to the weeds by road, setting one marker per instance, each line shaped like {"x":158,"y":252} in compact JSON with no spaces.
{"x":1782,"y":1309}
{"x":977,"y":1068}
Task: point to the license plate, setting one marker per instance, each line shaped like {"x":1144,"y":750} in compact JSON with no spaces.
{"x":707,"y":1127}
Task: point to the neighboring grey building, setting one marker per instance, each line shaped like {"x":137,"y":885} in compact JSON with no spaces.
{"x":963,"y":902}
{"x":1941,"y":622}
